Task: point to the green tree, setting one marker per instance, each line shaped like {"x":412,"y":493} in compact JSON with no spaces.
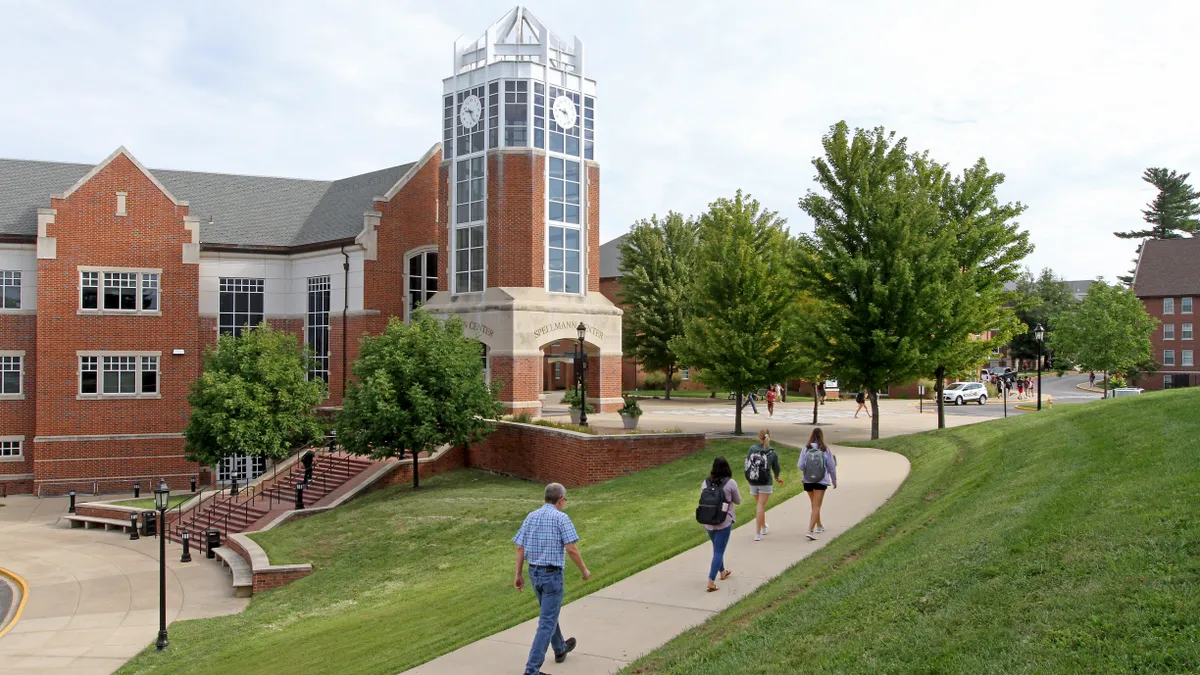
{"x":658,"y":260}
{"x":1173,"y":213}
{"x":873,"y":257}
{"x":986,"y":247}
{"x":1108,"y":332}
{"x":1039,"y":300}
{"x":813,"y":355}
{"x":742,"y":297}
{"x":416,"y":387}
{"x":252,"y":398}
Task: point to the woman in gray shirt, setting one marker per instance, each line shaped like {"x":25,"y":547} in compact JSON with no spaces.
{"x":719,"y":534}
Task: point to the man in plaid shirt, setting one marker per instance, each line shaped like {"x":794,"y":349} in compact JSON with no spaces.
{"x":544,"y":537}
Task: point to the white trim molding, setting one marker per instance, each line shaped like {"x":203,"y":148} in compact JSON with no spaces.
{"x":137,"y":375}
{"x":47,"y":246}
{"x":108,"y":160}
{"x":21,"y":395}
{"x":21,"y":449}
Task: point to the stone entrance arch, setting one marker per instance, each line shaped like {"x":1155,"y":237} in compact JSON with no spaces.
{"x":516,"y":323}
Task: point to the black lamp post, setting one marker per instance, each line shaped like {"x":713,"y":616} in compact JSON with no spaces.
{"x":133,"y":534}
{"x":582,"y":389}
{"x":1039,"y":334}
{"x":162,"y":497}
{"x":185,"y":537}
{"x":137,"y":489}
{"x":71,"y":508}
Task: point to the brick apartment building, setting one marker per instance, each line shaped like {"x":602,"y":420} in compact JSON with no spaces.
{"x":114,"y":278}
{"x":1167,"y":281}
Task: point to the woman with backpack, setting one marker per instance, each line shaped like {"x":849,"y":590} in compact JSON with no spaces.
{"x":861,"y":399}
{"x":761,"y":460}
{"x":820,"y":471}
{"x":718,"y":495}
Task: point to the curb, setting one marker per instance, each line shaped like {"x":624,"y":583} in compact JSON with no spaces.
{"x":15,"y":616}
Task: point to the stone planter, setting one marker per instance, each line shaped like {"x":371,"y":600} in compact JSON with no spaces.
{"x":629,"y":421}
{"x":575,"y":413}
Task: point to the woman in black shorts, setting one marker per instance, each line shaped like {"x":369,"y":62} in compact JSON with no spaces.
{"x":819,"y":469}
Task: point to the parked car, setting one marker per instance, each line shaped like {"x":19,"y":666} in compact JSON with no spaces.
{"x":1126,"y":391}
{"x":999,"y":370}
{"x":961,"y":392}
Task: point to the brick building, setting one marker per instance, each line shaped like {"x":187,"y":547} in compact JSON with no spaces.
{"x":1167,"y":281}
{"x":114,"y":278}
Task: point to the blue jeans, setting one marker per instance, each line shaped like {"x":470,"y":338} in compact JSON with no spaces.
{"x":750,"y":402}
{"x":548,"y":586}
{"x":720,"y":539}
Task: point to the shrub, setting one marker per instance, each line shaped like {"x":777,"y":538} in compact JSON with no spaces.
{"x":631,"y":407}
{"x":564,"y":425}
{"x":1116,"y":382}
{"x":573,"y":402}
{"x":658,"y":380}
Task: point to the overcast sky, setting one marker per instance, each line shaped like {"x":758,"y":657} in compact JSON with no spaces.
{"x":1072,"y":101}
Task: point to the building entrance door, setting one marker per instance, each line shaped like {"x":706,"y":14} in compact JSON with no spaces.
{"x":243,"y":467}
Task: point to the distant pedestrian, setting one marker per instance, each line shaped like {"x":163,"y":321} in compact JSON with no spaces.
{"x":819,"y":468}
{"x":307,"y":460}
{"x":821,"y":392}
{"x":861,"y":399}
{"x":761,"y":461}
{"x":750,"y":396}
{"x":718,"y":495}
{"x":771,"y":394}
{"x":1021,"y":388}
{"x":1091,"y":379}
{"x":542,"y":540}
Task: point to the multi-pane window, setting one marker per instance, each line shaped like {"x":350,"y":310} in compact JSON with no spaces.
{"x":10,"y":374}
{"x":1185,"y":305}
{"x":565,"y":274}
{"x":318,"y":326}
{"x":150,"y":292}
{"x":539,"y":115}
{"x":1168,"y":357}
{"x":470,"y":139}
{"x":448,"y":127}
{"x":1168,"y":381}
{"x":468,"y":234}
{"x":1185,"y":358}
{"x":564,"y":191}
{"x":10,"y":448}
{"x":1168,"y":331}
{"x":1186,"y":332}
{"x":119,"y":291}
{"x":589,"y":127}
{"x":89,"y":289}
{"x":494,"y":114}
{"x":1168,"y":305}
{"x":422,"y":279}
{"x":562,"y":139}
{"x":564,"y":249}
{"x":10,"y":289}
{"x":118,"y":375}
{"x":241,"y":305}
{"x":516,"y":113}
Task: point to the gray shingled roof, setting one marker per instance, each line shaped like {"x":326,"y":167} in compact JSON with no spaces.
{"x":610,"y":258}
{"x":245,"y":210}
{"x":1168,"y":267}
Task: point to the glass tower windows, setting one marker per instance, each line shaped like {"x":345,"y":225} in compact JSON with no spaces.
{"x":516,"y":113}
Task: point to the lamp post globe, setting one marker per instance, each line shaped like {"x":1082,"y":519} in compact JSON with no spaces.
{"x":582,"y":330}
{"x":162,"y":497}
{"x":1039,"y":334}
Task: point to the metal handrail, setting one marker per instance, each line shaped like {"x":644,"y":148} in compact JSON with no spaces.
{"x":95,"y":486}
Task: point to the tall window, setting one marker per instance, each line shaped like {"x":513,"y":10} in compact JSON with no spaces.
{"x":539,"y":115}
{"x":564,"y":243}
{"x":1168,"y":305}
{"x":448,"y":127}
{"x":422,"y":279}
{"x":1186,"y":358}
{"x":1168,"y":331}
{"x":318,"y":326}
{"x":589,"y":127}
{"x":150,"y":292}
{"x":119,"y":291}
{"x":1168,"y":357}
{"x":468,"y":233}
{"x":10,"y":374}
{"x":10,"y":290}
{"x":494,"y":114}
{"x":1185,"y":305}
{"x":1168,"y":381}
{"x":241,"y":305}
{"x":516,"y":113}
{"x":1187,"y":332}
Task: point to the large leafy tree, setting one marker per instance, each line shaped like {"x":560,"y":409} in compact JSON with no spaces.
{"x":1108,"y":332}
{"x":1039,"y":300}
{"x":813,"y":355}
{"x":658,"y":260}
{"x":875,"y":252}
{"x":741,"y":300}
{"x":985,"y":247}
{"x":253,"y":398}
{"x":416,"y":386}
{"x":1175,"y":211}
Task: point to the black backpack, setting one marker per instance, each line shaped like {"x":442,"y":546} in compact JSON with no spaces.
{"x":711,"y":510}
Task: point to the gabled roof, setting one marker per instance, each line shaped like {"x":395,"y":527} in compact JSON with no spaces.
{"x":1168,"y":267}
{"x":610,"y":258}
{"x":244,"y":210}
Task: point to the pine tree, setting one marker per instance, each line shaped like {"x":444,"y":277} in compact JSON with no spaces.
{"x":1171,"y":215}
{"x":658,"y":259}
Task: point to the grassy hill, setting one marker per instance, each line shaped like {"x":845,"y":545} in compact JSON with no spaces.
{"x":1061,"y":542}
{"x":403,"y":576}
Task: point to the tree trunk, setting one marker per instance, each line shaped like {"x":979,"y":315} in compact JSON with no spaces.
{"x":816,"y":402}
{"x":1105,"y":385}
{"x":874,"y":415}
{"x":667,"y":384}
{"x":737,"y":416}
{"x":938,"y":387}
{"x":416,"y":469}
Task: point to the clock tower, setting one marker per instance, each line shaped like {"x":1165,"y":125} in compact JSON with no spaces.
{"x":519,"y":222}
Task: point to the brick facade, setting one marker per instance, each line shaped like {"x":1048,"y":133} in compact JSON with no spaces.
{"x":1179,"y":374}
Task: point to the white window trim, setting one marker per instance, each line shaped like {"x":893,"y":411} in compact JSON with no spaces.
{"x":1164,"y":358}
{"x":452,"y":282}
{"x":100,"y":311}
{"x":20,"y":295}
{"x":328,"y":370}
{"x":583,"y":221}
{"x":21,"y":395}
{"x":1184,"y":330}
{"x":1164,"y":309}
{"x":432,"y":248}
{"x":1172,"y":335}
{"x":100,"y":395}
{"x":1187,"y":311}
{"x":14,"y":439}
{"x":1186,"y":359}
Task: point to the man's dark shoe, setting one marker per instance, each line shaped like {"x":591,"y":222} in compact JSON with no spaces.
{"x":559,"y":658}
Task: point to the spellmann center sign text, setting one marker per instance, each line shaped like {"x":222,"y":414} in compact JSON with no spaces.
{"x":565,"y":325}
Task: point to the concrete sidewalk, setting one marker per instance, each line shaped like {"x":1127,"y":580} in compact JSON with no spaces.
{"x":93,"y":595}
{"x":621,"y":622}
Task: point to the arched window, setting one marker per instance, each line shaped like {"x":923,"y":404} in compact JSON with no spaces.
{"x":422,"y":278}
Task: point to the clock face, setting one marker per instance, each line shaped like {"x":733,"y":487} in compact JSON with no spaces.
{"x":470,"y":111}
{"x":564,"y":112}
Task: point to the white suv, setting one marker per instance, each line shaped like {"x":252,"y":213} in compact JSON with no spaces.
{"x":961,"y":392}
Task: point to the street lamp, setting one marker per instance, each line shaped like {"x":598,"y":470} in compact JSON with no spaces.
{"x":582,"y":388}
{"x":1039,"y":334}
{"x":162,"y":497}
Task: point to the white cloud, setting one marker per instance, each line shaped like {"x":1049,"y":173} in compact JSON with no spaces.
{"x":1072,"y":100}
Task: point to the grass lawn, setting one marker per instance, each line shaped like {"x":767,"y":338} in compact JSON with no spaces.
{"x":403,"y":576}
{"x":1063,"y":542}
{"x":148,"y":503}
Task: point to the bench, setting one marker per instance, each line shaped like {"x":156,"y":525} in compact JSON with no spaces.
{"x":88,"y":522}
{"x":243,"y":576}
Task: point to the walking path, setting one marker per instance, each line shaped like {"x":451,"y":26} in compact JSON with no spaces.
{"x":93,"y":595}
{"x":621,"y":622}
